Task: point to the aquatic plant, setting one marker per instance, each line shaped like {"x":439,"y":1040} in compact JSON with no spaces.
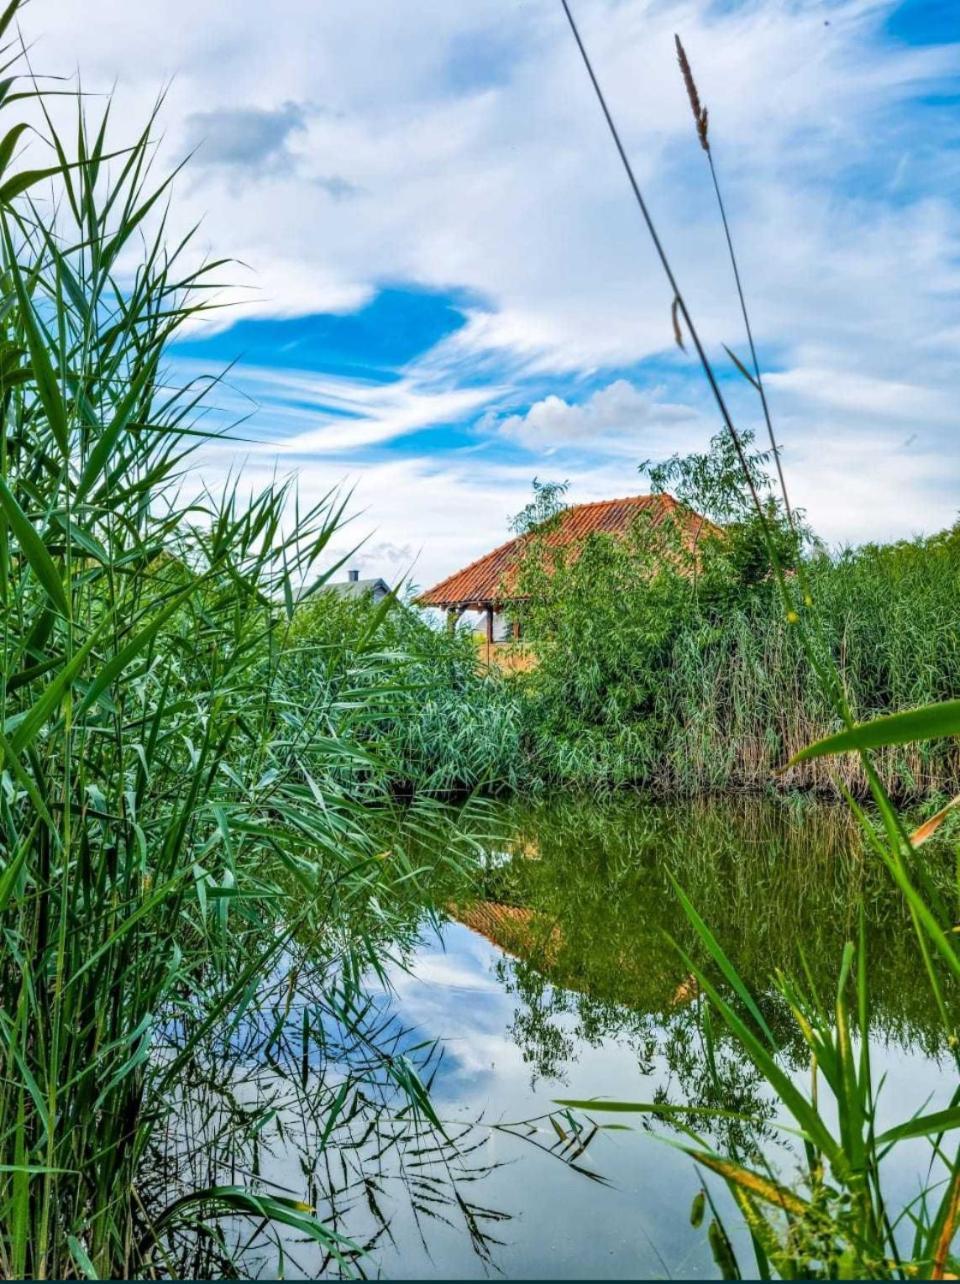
{"x":836,"y":1222}
{"x":171,"y":819}
{"x":432,"y":722}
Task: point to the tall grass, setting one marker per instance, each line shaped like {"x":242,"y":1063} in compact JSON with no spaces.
{"x":681,"y":678}
{"x":738,"y":699}
{"x":172,"y":809}
{"x":433,"y":723}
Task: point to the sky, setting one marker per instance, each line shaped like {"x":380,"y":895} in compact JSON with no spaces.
{"x":441,"y":287}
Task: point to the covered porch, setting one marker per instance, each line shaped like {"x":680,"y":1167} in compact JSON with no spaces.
{"x":498,"y":639}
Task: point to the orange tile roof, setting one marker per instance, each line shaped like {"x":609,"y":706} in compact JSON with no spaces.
{"x":483,"y":581}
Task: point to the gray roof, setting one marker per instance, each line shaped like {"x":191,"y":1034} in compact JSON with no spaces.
{"x":357,"y":588}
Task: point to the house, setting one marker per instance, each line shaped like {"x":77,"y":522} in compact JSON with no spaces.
{"x":354,"y":586}
{"x":485,"y":585}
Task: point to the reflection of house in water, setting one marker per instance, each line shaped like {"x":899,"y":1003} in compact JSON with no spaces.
{"x":528,"y":935}
{"x":514,"y":929}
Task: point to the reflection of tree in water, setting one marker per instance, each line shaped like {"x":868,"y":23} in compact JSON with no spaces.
{"x":590,"y":923}
{"x":318,"y":1095}
{"x":551,"y":1023}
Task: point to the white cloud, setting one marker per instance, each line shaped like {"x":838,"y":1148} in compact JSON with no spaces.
{"x":309,"y":413}
{"x":611,"y":416}
{"x":866,"y":396}
{"x":890,"y":485}
{"x":507,"y":184}
{"x":475,"y":157}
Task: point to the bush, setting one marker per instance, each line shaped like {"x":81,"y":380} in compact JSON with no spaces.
{"x":675,"y":666}
{"x":430,"y":721}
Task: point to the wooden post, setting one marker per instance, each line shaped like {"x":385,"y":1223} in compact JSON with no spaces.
{"x":489,"y":634}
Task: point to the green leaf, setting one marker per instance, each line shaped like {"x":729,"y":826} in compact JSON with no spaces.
{"x":9,"y":142}
{"x":48,"y":388}
{"x":104,"y":449}
{"x":33,"y":549}
{"x":697,"y":1208}
{"x":117,"y":663}
{"x":28,"y":724}
{"x":741,"y":367}
{"x":9,"y":758}
{"x":922,"y":1126}
{"x":79,"y":1255}
{"x":8,"y":15}
{"x":931,"y":722}
{"x":722,"y":961}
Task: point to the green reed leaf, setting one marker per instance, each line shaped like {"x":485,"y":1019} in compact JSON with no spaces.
{"x":33,"y":549}
{"x":931,"y":722}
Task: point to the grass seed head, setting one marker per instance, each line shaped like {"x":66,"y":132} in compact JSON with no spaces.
{"x":700,"y":114}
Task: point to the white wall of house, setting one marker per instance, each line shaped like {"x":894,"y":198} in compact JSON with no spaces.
{"x":502,"y":628}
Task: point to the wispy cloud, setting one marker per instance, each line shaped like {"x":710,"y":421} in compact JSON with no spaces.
{"x":475,"y":163}
{"x":303,"y":412}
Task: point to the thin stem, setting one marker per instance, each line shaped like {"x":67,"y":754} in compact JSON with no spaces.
{"x":753,"y":351}
{"x":681,"y":303}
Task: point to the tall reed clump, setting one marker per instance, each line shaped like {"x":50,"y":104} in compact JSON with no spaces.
{"x":161,"y":838}
{"x":678,"y":670}
{"x":437,"y":727}
{"x":738,"y":698}
{"x":833,"y":1219}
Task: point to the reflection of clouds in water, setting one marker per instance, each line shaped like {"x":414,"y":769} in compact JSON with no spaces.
{"x":451,"y":992}
{"x":514,"y":1039}
{"x":448,"y":971}
{"x":463,"y":990}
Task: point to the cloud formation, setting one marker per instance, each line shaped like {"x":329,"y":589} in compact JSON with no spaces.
{"x":459,"y":148}
{"x":611,"y":417}
{"x":253,"y":139}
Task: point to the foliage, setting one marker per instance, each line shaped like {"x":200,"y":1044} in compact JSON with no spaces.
{"x":720,"y":483}
{"x":676,"y":667}
{"x":429,"y":721}
{"x":173,"y":826}
{"x":601,"y":619}
{"x":545,"y":507}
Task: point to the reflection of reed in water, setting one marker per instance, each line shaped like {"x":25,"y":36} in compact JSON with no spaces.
{"x":589,"y":934}
{"x":784,"y":883}
{"x":319,"y":1095}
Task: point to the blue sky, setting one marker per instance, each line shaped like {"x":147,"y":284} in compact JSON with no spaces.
{"x":442,"y":288}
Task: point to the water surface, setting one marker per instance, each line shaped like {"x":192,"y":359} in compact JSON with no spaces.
{"x":557,"y":970}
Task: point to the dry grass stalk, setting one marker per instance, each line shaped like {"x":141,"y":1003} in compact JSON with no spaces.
{"x":700,"y":114}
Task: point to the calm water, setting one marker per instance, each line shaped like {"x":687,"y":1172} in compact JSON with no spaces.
{"x":550,"y":974}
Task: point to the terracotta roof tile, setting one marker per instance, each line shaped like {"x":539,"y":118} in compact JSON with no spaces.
{"x":482,"y":582}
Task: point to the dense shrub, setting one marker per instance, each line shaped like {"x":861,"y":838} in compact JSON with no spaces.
{"x":674,"y":665}
{"x":430,"y":720}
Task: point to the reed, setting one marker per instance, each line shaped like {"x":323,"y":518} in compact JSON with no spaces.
{"x":686,"y":676}
{"x":172,"y":816}
{"x":835,"y":1221}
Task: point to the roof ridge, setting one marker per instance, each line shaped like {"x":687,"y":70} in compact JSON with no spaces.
{"x":501,"y":556}
{"x":622,"y":499}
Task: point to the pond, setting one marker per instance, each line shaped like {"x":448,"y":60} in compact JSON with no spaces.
{"x":556,"y":971}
